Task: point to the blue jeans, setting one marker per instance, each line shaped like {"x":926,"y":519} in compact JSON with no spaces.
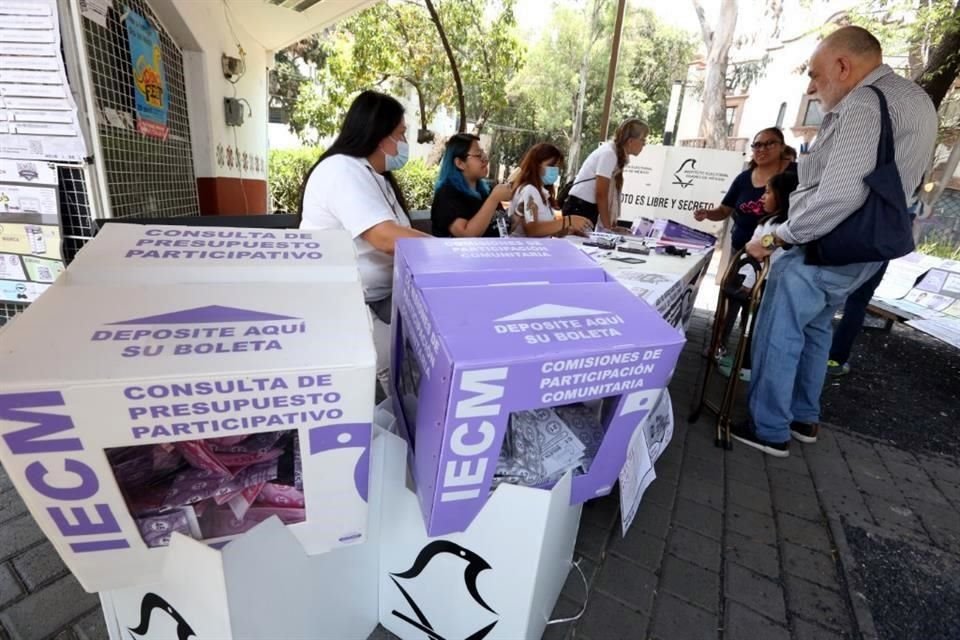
{"x":791,"y":341}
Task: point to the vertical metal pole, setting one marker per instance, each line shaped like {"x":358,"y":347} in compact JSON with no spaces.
{"x":81,"y":83}
{"x":612,"y":70}
{"x":672,"y":112}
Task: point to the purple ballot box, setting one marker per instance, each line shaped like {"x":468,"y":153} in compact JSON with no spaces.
{"x":474,"y":363}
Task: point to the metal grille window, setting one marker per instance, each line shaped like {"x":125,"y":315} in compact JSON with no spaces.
{"x":145,"y":176}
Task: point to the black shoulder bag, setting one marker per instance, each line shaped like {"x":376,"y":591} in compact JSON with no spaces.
{"x":882,"y":228}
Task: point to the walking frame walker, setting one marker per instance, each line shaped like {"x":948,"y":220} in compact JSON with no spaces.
{"x":724,"y":411}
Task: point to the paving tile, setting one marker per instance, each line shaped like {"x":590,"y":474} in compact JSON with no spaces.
{"x":895,"y":517}
{"x":755,"y":591}
{"x":810,"y":565}
{"x":10,"y":589}
{"x":92,"y":626}
{"x":38,"y":565}
{"x":661,"y":493}
{"x":795,"y":463}
{"x":803,"y":630}
{"x":752,"y":524}
{"x":675,"y":619}
{"x":814,"y":603}
{"x":592,"y":542}
{"x":699,"y":518}
{"x":652,"y":519}
{"x":638,"y":547}
{"x":563,"y":609}
{"x":705,"y":465}
{"x":924,"y":490}
{"x":883,"y":486}
{"x":606,"y":618}
{"x":749,"y":473}
{"x":48,"y":610}
{"x":693,"y":547}
{"x":18,"y":534}
{"x":602,"y":512}
{"x":940,"y":468}
{"x":813,"y":535}
{"x":690,"y":582}
{"x":11,"y":505}
{"x":941,"y":522}
{"x":754,"y":555}
{"x":631,"y":585}
{"x":748,"y":625}
{"x":797,"y":503}
{"x":749,"y":497}
{"x":573,"y":587}
{"x":5,"y":483}
{"x":701,"y":491}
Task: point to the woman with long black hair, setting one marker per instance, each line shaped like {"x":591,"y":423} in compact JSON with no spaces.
{"x":351,"y":187}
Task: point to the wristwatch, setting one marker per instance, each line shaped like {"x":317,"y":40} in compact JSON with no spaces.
{"x":770,"y":241}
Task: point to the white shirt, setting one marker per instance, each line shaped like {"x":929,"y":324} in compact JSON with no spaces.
{"x":602,"y":162}
{"x":344,"y":192}
{"x":531,"y":204}
{"x":748,"y":273}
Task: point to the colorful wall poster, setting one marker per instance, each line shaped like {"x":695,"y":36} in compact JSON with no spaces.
{"x":149,"y":79}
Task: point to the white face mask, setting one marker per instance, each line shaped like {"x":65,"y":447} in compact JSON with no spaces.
{"x":397,"y":161}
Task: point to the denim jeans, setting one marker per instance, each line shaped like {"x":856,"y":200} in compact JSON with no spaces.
{"x":854,"y":313}
{"x":791,"y":341}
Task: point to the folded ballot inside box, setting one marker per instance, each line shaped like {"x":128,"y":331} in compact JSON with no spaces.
{"x":198,"y":409}
{"x":521,"y":384}
{"x":161,"y":254}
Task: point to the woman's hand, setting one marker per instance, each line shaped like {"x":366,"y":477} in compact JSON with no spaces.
{"x":701,"y":214}
{"x":502,"y":192}
{"x":579,"y":225}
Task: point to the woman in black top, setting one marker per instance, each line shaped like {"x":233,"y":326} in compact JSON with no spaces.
{"x":744,"y":199}
{"x":463,"y":205}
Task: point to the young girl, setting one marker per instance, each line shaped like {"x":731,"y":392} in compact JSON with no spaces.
{"x":532,"y":199}
{"x":739,"y":287}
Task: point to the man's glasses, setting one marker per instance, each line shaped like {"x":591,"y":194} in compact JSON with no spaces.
{"x":764,"y":145}
{"x":482,"y":156}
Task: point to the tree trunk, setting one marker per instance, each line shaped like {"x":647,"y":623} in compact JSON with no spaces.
{"x":943,"y":66}
{"x":573,"y":154}
{"x":713,"y":122}
{"x":461,"y":100}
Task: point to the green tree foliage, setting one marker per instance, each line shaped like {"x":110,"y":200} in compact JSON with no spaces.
{"x":652,"y":55}
{"x":416,"y":180}
{"x":393,"y":46}
{"x":286,"y":169}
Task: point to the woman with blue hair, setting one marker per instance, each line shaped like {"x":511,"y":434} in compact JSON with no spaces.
{"x":463,"y":205}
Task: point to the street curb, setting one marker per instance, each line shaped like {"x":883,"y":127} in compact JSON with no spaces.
{"x":848,"y":564}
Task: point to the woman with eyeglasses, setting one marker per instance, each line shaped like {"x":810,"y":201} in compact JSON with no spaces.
{"x":744,"y":199}
{"x":463,"y":205}
{"x":351,"y":187}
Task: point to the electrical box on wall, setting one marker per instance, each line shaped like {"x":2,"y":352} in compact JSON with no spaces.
{"x":231,"y":66}
{"x":233,"y":112}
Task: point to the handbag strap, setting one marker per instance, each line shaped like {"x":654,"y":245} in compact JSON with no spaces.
{"x":885,"y":149}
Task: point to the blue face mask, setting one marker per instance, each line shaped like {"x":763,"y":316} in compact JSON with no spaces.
{"x":396,"y":162}
{"x":550,"y":176}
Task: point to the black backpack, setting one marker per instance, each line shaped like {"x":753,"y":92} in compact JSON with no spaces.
{"x":565,"y":190}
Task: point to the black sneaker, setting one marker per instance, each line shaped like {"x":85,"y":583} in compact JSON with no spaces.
{"x":804,"y":431}
{"x":745,"y":433}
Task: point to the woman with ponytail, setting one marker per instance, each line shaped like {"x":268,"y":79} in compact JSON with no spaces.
{"x":595,"y":193}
